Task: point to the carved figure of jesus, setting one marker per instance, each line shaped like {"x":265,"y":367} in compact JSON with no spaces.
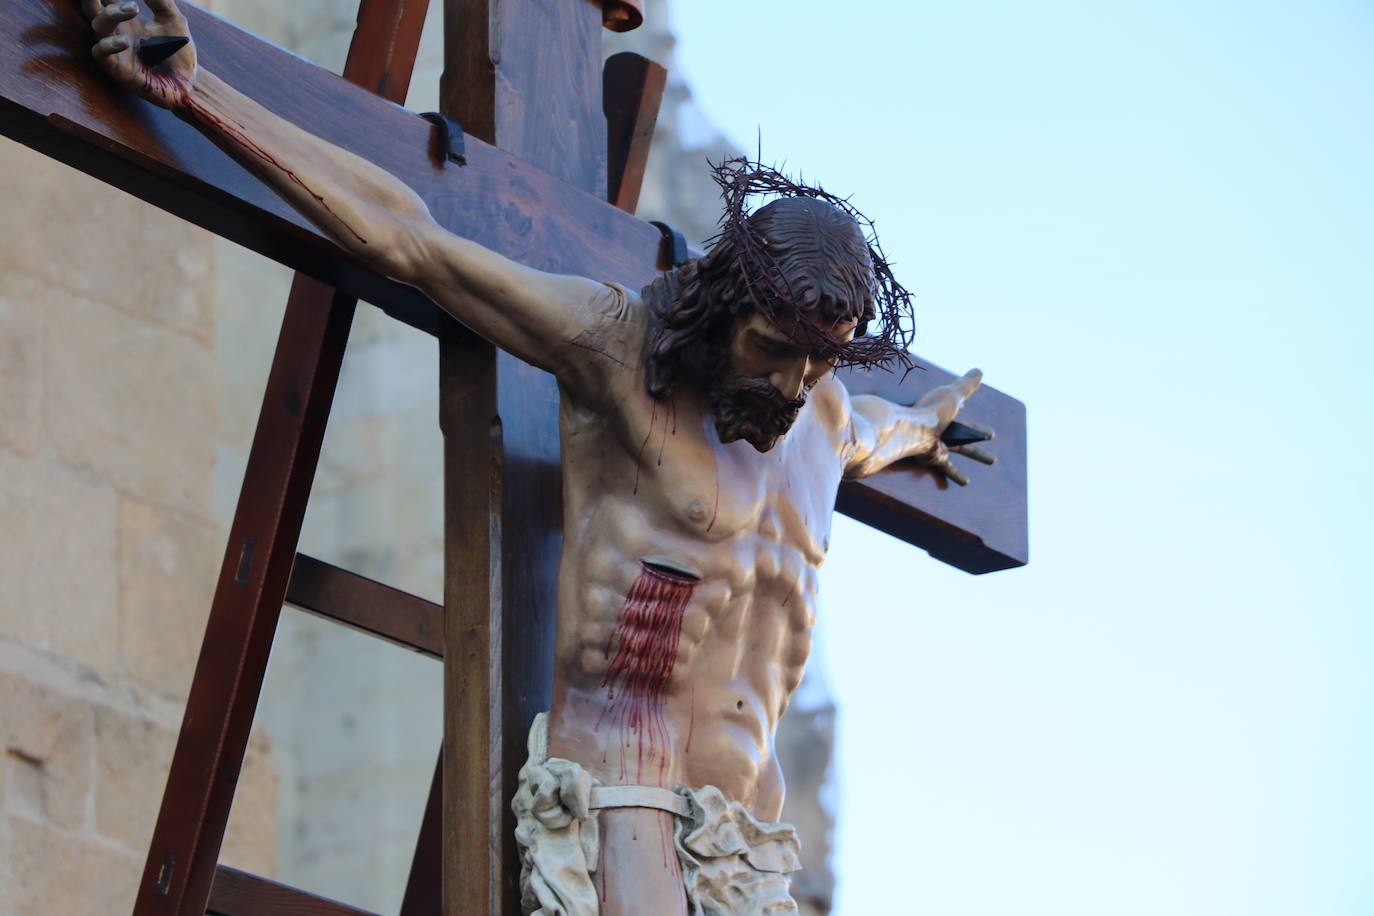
{"x":703,"y":442}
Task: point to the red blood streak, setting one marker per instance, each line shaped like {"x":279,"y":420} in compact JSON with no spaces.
{"x":645,"y":645}
{"x":235,"y":134}
{"x":639,"y":459}
{"x":670,"y":421}
{"x":715,"y":508}
{"x":691,"y":721}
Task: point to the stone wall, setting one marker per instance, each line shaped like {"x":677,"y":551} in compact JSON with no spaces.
{"x":111,"y":539}
{"x":133,"y":353}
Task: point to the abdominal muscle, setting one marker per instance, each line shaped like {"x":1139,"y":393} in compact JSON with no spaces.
{"x":680,"y":683}
{"x":676,"y":681}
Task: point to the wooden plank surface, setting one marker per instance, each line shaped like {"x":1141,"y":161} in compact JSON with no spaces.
{"x":632,"y":91}
{"x":52,"y":98}
{"x":524,"y":75}
{"x":359,"y":602}
{"x":237,"y":893}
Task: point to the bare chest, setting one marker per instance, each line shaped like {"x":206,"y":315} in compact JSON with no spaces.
{"x":718,"y":493}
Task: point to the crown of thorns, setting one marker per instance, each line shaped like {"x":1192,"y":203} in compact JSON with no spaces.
{"x":767,"y":285}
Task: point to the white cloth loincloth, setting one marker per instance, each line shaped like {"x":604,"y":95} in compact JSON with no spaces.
{"x":732,"y":865}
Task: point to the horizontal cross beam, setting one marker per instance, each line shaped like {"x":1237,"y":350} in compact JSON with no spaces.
{"x":53,"y":99}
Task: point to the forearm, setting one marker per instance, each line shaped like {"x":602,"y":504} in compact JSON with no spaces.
{"x":892,"y":432}
{"x":367,"y":211}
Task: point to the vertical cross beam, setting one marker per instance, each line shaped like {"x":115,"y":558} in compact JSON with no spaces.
{"x":524,"y":75}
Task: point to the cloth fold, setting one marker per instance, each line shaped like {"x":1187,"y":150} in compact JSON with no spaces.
{"x":732,"y":864}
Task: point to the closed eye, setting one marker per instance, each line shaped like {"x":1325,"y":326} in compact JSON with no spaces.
{"x":774,"y":347}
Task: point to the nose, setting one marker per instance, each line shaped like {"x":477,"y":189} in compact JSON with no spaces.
{"x":789,"y":381}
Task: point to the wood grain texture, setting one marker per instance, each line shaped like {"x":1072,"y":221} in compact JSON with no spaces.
{"x":632,"y":91}
{"x":524,"y":75}
{"x":473,"y":813}
{"x":381,"y":56}
{"x":356,"y":601}
{"x":238,"y":893}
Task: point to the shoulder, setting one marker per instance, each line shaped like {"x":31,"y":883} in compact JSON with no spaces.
{"x":605,"y":347}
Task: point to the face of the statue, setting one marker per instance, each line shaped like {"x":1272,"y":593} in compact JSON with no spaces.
{"x":761,"y":378}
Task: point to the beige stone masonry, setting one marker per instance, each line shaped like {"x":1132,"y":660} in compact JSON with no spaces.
{"x":131,"y":402}
{"x":168,"y":564}
{"x":60,"y":592}
{"x":21,"y":364}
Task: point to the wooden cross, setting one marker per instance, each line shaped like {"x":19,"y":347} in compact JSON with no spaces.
{"x":524,"y":79}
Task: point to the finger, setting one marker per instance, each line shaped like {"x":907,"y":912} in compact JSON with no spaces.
{"x":92,"y":8}
{"x":974,"y":452}
{"x":107,"y":47}
{"x":164,"y":10}
{"x":968,"y":383}
{"x":111,"y":16}
{"x":986,"y":432}
{"x":954,"y":474}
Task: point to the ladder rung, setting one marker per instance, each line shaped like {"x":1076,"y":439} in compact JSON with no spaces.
{"x":237,"y":893}
{"x":364,"y":604}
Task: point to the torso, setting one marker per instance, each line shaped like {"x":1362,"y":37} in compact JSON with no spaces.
{"x":685,"y":686}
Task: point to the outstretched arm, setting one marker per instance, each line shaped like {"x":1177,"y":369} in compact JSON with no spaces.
{"x":881,"y":432}
{"x":375,"y":217}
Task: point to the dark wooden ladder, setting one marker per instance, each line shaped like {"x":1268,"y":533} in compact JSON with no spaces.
{"x":262,"y":569}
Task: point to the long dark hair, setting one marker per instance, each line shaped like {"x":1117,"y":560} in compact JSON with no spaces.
{"x":801,"y":256}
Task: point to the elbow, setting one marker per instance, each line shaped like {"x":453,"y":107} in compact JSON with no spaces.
{"x":401,"y":254}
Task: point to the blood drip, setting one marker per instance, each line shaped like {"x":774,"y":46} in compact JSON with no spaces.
{"x":639,"y":459}
{"x":235,"y":134}
{"x":645,"y":645}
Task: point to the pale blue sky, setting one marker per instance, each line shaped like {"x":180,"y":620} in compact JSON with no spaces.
{"x":1152,"y":223}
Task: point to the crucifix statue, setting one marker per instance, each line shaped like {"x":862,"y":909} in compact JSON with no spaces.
{"x":704,"y":440}
{"x":704,"y":437}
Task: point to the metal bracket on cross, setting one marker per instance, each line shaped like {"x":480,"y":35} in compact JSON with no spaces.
{"x":451,"y":145}
{"x":674,"y":243}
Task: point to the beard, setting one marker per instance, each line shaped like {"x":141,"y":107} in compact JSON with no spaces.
{"x":749,"y":408}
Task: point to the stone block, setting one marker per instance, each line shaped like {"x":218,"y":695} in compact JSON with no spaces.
{"x":75,"y":233}
{"x":174,"y":275}
{"x":47,"y":739}
{"x":250,"y":842}
{"x":133,"y":756}
{"x":168,"y":565}
{"x":250,"y":298}
{"x":132,"y":402}
{"x":60,"y":591}
{"x":21,"y":363}
{"x":55,"y":871}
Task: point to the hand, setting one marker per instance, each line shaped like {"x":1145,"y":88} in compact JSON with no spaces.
{"x":127,"y":49}
{"x":953,"y":437}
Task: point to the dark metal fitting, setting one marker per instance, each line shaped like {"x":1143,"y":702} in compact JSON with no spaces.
{"x":451,"y":138}
{"x":957,"y":433}
{"x":153,"y":51}
{"x":675,"y":244}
